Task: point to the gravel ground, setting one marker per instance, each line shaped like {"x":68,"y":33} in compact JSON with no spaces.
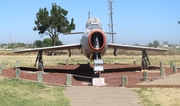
{"x":82,"y":74}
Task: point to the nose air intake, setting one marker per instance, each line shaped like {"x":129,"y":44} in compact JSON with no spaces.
{"x":97,"y":40}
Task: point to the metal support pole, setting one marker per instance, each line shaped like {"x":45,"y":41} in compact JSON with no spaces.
{"x":111,"y":13}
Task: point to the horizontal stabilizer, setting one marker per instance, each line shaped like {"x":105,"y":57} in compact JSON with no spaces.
{"x":73,"y":33}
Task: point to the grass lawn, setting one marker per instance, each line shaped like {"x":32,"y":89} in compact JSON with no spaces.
{"x":15,"y":92}
{"x":10,"y":61}
{"x":159,"y":96}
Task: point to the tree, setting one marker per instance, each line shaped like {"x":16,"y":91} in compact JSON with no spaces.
{"x":58,"y":42}
{"x":20,"y":44}
{"x":11,"y":46}
{"x":47,"y":42}
{"x":53,"y":23}
{"x":150,"y":45}
{"x":165,"y":43}
{"x":136,"y":44}
{"x":156,"y":43}
{"x":38,"y":43}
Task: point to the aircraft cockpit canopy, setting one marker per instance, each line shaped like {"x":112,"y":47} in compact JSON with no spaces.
{"x":93,"y":21}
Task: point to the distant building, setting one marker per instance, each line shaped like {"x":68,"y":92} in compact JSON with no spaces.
{"x":176,"y":46}
{"x":165,"y":46}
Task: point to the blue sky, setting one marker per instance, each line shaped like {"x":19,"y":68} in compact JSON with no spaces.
{"x":136,"y":21}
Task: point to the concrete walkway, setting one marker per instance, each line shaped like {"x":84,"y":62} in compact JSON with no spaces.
{"x":101,"y":96}
{"x":110,"y":96}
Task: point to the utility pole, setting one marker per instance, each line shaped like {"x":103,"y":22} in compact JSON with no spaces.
{"x":111,"y":13}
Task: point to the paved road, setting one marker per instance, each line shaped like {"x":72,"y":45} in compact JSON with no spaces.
{"x":101,"y":96}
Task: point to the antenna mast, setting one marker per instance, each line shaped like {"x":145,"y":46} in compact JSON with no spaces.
{"x":89,"y":15}
{"x":111,"y":13}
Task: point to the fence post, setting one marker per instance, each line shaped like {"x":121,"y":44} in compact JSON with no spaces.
{"x":17,"y":63}
{"x":40,"y":76}
{"x":68,"y":80}
{"x":174,"y":69}
{"x":145,"y":76}
{"x":124,"y":81}
{"x":0,"y":70}
{"x":2,"y":65}
{"x":44,"y":63}
{"x":17,"y":73}
{"x":162,"y":72}
{"x":135,"y":63}
{"x":171,"y":64}
{"x":66,"y":61}
{"x":160,"y":63}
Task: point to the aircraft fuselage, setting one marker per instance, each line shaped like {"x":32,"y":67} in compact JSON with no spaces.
{"x":94,"y":41}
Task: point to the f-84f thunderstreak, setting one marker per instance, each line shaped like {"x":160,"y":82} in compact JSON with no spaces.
{"x":94,"y":45}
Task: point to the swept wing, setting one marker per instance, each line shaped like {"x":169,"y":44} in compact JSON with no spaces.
{"x":61,"y":47}
{"x":130,"y":47}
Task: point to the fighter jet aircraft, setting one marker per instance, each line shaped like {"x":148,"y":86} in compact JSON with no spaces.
{"x":94,"y":45}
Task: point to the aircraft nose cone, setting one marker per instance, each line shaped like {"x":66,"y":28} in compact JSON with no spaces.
{"x":97,"y":43}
